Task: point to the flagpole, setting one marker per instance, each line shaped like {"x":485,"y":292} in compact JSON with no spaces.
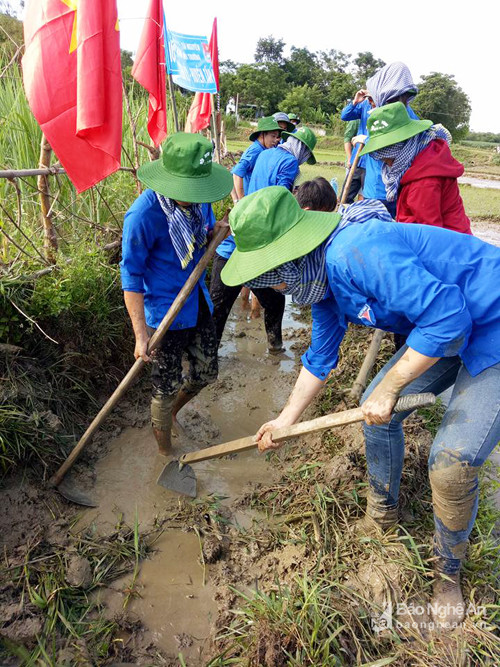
{"x":174,"y":105}
{"x":216,"y":130}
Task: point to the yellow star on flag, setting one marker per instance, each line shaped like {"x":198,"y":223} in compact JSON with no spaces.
{"x":72,"y":4}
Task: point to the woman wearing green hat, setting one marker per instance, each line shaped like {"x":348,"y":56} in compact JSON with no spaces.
{"x":279,"y":166}
{"x":295,"y":120}
{"x":419,"y":169}
{"x":267,"y":135}
{"x":438,"y":287}
{"x":164,"y":236}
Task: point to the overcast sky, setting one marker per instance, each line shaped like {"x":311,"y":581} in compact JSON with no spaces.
{"x":428,"y":35}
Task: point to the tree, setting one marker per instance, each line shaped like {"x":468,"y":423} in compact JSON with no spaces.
{"x":302,"y":100}
{"x":269,"y":50}
{"x":302,"y":67}
{"x":341,"y":87}
{"x":11,"y":34}
{"x":366,"y":66}
{"x":442,"y":100}
{"x":261,"y":85}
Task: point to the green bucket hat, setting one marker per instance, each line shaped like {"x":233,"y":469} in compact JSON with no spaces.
{"x":307,"y":137}
{"x":269,"y":229}
{"x":185,"y":171}
{"x":265,"y":124}
{"x":391,"y":124}
{"x":293,"y":116}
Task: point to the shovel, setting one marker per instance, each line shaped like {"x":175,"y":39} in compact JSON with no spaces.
{"x":57,"y":480}
{"x":179,"y":476}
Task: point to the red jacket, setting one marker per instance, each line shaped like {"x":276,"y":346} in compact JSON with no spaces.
{"x":428,"y":192}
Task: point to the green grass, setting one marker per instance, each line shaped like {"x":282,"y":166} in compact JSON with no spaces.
{"x":481,"y":203}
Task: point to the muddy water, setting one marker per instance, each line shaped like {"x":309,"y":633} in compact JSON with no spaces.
{"x":479,"y":182}
{"x":174,"y":606}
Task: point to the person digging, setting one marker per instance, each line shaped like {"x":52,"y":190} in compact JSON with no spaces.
{"x":165,"y":232}
{"x":438,"y":287}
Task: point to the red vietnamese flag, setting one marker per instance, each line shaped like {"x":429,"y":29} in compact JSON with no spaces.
{"x":72,"y":78}
{"x":149,"y":71}
{"x":198,"y":117}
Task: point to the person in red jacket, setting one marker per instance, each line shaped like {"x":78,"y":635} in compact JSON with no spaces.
{"x":419,"y":169}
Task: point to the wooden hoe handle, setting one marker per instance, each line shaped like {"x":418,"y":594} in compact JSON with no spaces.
{"x":124,"y":385}
{"x":405,"y":403}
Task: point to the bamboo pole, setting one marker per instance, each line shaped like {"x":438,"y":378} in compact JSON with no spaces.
{"x":174,"y":105}
{"x":138,"y":184}
{"x":10,"y":174}
{"x":50,"y":239}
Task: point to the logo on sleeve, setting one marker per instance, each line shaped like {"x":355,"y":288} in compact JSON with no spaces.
{"x":366,"y":315}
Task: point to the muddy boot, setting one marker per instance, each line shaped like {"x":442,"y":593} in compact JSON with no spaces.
{"x":161,"y":421}
{"x":378,"y":519}
{"x":448,"y":607}
{"x":163,"y":438}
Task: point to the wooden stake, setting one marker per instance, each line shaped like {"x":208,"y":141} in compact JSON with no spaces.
{"x":50,"y":239}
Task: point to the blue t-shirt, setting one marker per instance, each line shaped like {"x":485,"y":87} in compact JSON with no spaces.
{"x":438,"y":287}
{"x":246,"y":164}
{"x":150,"y":266}
{"x":274,"y":166}
{"x":373,"y":187}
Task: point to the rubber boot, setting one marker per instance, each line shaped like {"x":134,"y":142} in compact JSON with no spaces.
{"x":378,"y":519}
{"x":161,"y":421}
{"x":448,"y":606}
{"x":163,"y":438}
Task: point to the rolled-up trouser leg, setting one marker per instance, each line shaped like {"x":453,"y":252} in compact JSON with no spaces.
{"x":469,"y":432}
{"x":161,"y":412}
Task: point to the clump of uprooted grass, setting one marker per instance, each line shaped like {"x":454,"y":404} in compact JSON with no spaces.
{"x":48,"y":590}
{"x":340,"y":605}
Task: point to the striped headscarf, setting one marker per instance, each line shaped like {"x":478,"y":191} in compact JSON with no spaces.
{"x":186,"y":226}
{"x":403,"y":153}
{"x":305,"y":277}
{"x":296,"y":148}
{"x":389,"y":82}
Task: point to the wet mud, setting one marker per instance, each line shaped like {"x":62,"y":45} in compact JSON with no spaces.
{"x":174,"y":596}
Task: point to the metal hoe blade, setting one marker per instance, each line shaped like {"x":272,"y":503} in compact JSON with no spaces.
{"x":178,"y":479}
{"x":74,"y":495}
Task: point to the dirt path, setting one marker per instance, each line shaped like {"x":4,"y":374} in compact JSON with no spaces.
{"x":174,"y":606}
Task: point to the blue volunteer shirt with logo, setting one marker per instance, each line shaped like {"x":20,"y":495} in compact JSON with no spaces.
{"x":274,"y":166}
{"x":245,"y":166}
{"x":373,"y":187}
{"x":150,"y":266}
{"x":438,"y":287}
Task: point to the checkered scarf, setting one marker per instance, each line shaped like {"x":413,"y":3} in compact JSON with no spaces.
{"x":305,"y":277}
{"x":403,"y":153}
{"x":186,"y":227}
{"x":389,"y":82}
{"x":296,"y":148}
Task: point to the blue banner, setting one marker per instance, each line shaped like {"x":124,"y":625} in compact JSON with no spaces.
{"x":188,"y":60}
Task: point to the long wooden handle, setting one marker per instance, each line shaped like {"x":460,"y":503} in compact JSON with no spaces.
{"x":405,"y":403}
{"x":367,"y":365}
{"x":124,"y":385}
{"x":350,"y":175}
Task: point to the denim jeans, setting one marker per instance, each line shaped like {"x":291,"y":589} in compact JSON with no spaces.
{"x":469,"y":432}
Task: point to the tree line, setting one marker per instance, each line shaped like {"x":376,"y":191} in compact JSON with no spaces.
{"x":316,"y":85}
